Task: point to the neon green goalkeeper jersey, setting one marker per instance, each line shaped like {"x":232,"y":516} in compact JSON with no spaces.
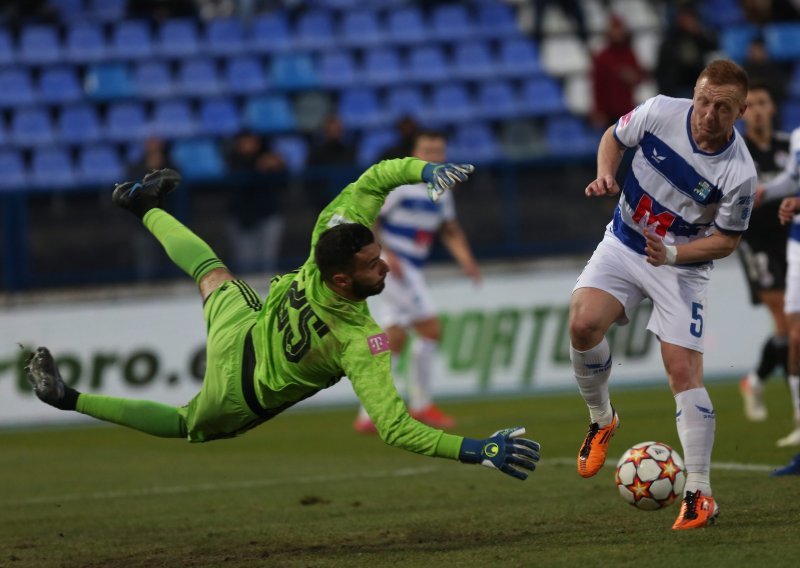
{"x":307,"y":337}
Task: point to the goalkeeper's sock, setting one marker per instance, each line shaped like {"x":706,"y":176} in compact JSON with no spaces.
{"x":592,"y":369}
{"x":696,"y":423}
{"x":188,"y":251}
{"x":149,"y":417}
{"x":423,"y":352}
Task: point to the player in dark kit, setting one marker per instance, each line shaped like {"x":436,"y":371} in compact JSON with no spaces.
{"x":763,"y":247}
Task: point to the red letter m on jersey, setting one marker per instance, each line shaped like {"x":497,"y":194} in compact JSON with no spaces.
{"x":663,"y":221}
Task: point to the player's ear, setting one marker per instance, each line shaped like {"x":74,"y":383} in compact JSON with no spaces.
{"x":341,"y":280}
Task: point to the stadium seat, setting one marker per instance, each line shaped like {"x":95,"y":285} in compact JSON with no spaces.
{"x":39,"y":45}
{"x":541,"y":97}
{"x":107,"y":81}
{"x":337,"y":69}
{"x":382,"y":67}
{"x":12,"y":170}
{"x":106,"y":10}
{"x":474,"y":143}
{"x":735,"y":40}
{"x":473,"y":60}
{"x":198,"y":159}
{"x":178,"y":38}
{"x":311,"y":110}
{"x":153,"y":80}
{"x":568,"y":135}
{"x":7,"y":55}
{"x":374,"y":143}
{"x":244,"y":75}
{"x":407,"y":26}
{"x":793,"y":90}
{"x":69,"y":11}
{"x":17,"y":88}
{"x":270,"y":33}
{"x":293,"y":72}
{"x":519,"y":58}
{"x":497,"y":100}
{"x":225,"y":36}
{"x":51,"y":168}
{"x":85,"y":43}
{"x":496,"y":20}
{"x":79,"y":124}
{"x":359,"y":108}
{"x":361,"y":29}
{"x":452,"y":22}
{"x":219,"y":117}
{"x":293,"y":150}
{"x":130,"y":39}
{"x":315,"y":30}
{"x":783,"y":41}
{"x":198,"y":77}
{"x":269,"y":114}
{"x":126,"y":122}
{"x":100,"y":165}
{"x":31,"y":127}
{"x":428,"y":64}
{"x":173,"y":119}
{"x":405,"y":101}
{"x":449,"y":103}
{"x":58,"y":85}
{"x":722,"y":14}
{"x":790,"y":115}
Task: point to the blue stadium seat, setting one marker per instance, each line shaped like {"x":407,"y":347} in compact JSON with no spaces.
{"x":107,"y":81}
{"x":17,"y":88}
{"x":450,"y":103}
{"x":473,"y":60}
{"x":721,"y":14}
{"x":382,"y":67}
{"x":219,"y":117}
{"x":271,"y":33}
{"x":293,"y":150}
{"x":790,"y":115}
{"x":153,"y":80}
{"x":39,"y":45}
{"x":12,"y":170}
{"x":568,"y":135}
{"x":496,"y":20}
{"x":6,"y":48}
{"x":519,"y":57}
{"x":497,"y":100}
{"x":794,"y":83}
{"x":173,"y":119}
{"x":293,"y":72}
{"x":198,"y":159}
{"x":60,"y":85}
{"x":31,"y":127}
{"x":268,"y":114}
{"x":541,"y":96}
{"x":85,"y":43}
{"x":107,"y":10}
{"x":359,"y":108}
{"x":452,"y":21}
{"x":198,"y":77}
{"x":337,"y":69}
{"x":51,"y":168}
{"x":178,"y":38}
{"x":735,"y":40}
{"x":244,"y":75}
{"x":315,"y":30}
{"x":474,"y":143}
{"x":407,"y":26}
{"x":79,"y":124}
{"x":225,"y":36}
{"x":361,"y":29}
{"x":374,"y":143}
{"x":783,"y":41}
{"x":405,"y":101}
{"x":126,"y":122}
{"x":131,"y":39}
{"x":428,"y":64}
{"x":100,"y":165}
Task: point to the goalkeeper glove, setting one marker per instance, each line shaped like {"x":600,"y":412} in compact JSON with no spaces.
{"x":440,"y":177}
{"x":502,"y":450}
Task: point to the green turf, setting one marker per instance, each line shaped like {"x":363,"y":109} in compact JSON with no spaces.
{"x":305,"y":490}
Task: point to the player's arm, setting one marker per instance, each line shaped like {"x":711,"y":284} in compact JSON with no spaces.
{"x":718,"y":244}
{"x":455,"y":240}
{"x":609,"y":157}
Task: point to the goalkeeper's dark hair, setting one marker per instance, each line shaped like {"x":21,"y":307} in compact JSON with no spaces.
{"x":337,"y":247}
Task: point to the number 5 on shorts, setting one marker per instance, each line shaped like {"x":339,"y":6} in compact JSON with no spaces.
{"x":696,"y":329}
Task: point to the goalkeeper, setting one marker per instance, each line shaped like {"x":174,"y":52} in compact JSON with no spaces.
{"x":313,"y":329}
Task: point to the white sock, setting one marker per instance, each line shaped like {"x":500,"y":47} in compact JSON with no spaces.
{"x":696,"y":423}
{"x":754,"y":382}
{"x":592,"y":369}
{"x":423,"y":353}
{"x":794,"y":389}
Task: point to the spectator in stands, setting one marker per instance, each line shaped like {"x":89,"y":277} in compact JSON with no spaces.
{"x":259,"y":180}
{"x":571,"y":8}
{"x":331,"y":160}
{"x":155,"y":157}
{"x":765,"y":71}
{"x":683,"y":53}
{"x":615,"y":74}
{"x":408,"y":129}
{"x":160,"y":10}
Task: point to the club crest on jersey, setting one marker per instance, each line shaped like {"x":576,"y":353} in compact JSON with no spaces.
{"x":702,"y":190}
{"x":378,"y":343}
{"x":623,"y":122}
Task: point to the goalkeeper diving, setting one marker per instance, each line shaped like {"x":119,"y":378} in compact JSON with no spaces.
{"x":313,"y":328}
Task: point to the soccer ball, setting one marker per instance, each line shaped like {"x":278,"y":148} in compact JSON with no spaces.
{"x":650,"y":475}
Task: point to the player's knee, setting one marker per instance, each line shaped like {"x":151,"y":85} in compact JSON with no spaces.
{"x":213,"y":280}
{"x":584,"y":332}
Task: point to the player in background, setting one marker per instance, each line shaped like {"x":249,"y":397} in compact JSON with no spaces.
{"x":787,"y":183}
{"x":407,"y":226}
{"x":313,"y":328}
{"x":763,"y":247}
{"x":685,"y":203}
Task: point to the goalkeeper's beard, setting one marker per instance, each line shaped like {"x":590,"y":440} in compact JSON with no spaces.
{"x":364,"y":291}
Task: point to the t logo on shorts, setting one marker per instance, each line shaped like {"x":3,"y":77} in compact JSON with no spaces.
{"x":378,"y":343}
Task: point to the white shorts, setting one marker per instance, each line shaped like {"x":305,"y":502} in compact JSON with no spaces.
{"x":404,"y":300}
{"x":678,"y":293}
{"x":791,"y":302}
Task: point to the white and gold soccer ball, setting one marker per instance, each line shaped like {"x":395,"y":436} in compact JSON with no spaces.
{"x":650,"y":475}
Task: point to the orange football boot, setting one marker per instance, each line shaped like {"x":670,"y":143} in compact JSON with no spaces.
{"x":592,"y":454}
{"x":697,"y":512}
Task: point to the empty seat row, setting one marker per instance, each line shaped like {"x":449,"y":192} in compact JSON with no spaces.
{"x":55,"y":168}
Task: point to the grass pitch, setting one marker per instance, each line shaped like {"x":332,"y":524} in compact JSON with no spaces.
{"x":305,"y":490}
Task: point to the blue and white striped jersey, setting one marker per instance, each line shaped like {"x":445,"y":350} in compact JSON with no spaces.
{"x":410,"y":220}
{"x":675,"y":188}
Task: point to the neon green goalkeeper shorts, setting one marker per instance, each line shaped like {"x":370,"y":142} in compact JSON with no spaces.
{"x":220,"y":409}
